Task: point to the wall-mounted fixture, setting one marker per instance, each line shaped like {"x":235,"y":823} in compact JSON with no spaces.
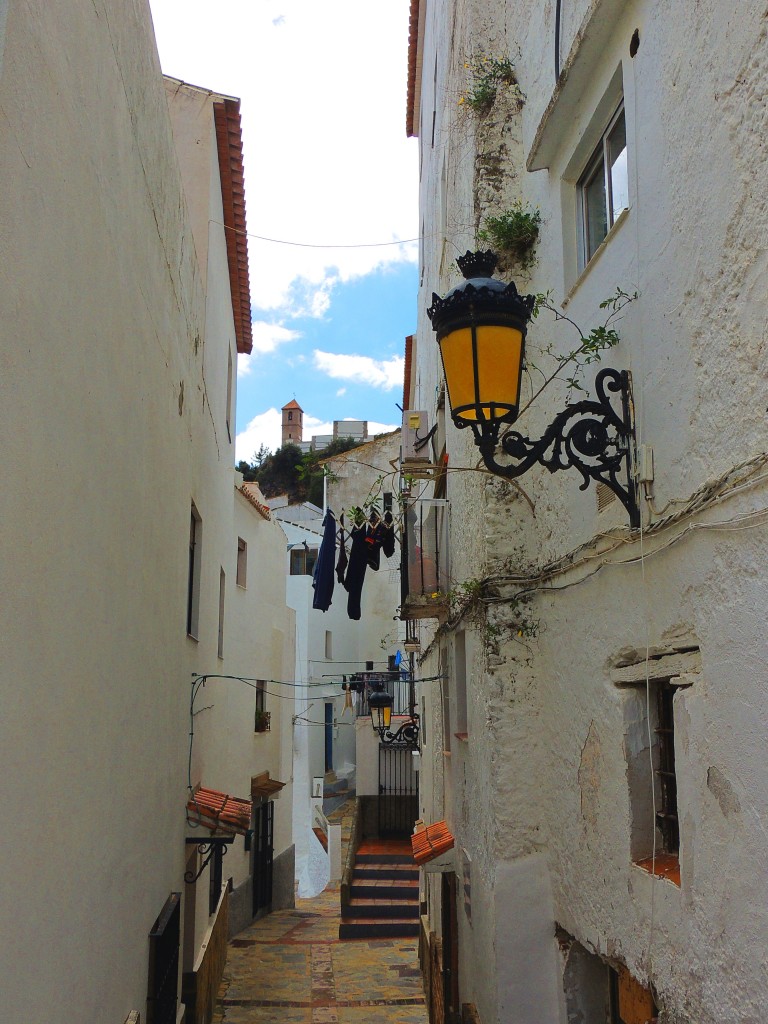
{"x":380,"y":705}
{"x":481,"y":326}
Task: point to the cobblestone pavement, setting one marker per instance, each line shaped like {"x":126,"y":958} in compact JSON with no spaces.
{"x":291,"y":968}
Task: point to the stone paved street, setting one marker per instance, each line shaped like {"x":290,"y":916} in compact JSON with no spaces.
{"x":291,"y":968}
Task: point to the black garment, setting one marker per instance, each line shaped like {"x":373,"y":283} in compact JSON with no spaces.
{"x":323,"y":574}
{"x":341,"y":565}
{"x":388,"y":544}
{"x":358,"y":562}
{"x":374,"y":538}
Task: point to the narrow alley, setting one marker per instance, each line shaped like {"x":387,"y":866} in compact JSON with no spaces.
{"x":292,"y":967}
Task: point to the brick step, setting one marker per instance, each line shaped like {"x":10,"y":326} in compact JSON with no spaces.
{"x":380,"y":889}
{"x":367,"y":928}
{"x":403,"y":859}
{"x":386,"y":871}
{"x":389,"y":909}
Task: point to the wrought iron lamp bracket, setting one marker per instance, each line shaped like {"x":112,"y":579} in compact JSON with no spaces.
{"x":405,"y":738}
{"x":207,"y":850}
{"x":590,"y":436}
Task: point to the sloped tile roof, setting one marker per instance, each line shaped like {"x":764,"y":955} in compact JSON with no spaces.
{"x":431,"y":841}
{"x":411,"y":113}
{"x":229,"y":141}
{"x":264,"y":510}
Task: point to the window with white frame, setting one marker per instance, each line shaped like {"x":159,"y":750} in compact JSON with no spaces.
{"x":604,"y":187}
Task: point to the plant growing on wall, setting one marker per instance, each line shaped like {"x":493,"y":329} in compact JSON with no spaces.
{"x":486,"y":76}
{"x":514,"y":233}
{"x":589,"y":349}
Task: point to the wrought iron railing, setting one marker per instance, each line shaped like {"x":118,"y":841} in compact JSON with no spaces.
{"x":393,"y":683}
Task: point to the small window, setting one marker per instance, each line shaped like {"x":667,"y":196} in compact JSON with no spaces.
{"x":328,"y":644}
{"x":604,"y":186}
{"x":261,"y":717}
{"x":193,"y":586}
{"x":222,"y":591}
{"x":260,"y":698}
{"x":290,"y":416}
{"x":242,"y":562}
{"x":303,"y":561}
{"x":652,"y":778}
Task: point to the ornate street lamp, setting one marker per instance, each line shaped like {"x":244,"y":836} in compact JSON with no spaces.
{"x":481,"y":326}
{"x":380,"y":704}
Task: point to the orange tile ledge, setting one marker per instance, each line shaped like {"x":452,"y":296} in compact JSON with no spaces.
{"x":666,"y":865}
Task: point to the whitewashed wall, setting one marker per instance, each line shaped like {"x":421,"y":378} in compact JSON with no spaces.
{"x":102,"y":303}
{"x":116,"y":347}
{"x":541,"y":785}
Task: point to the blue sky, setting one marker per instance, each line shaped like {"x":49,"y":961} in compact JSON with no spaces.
{"x":345,"y":364}
{"x":329,"y":170}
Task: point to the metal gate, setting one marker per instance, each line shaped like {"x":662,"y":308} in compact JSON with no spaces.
{"x":398,"y":792}
{"x":262,"y":855}
{"x":162,"y":987}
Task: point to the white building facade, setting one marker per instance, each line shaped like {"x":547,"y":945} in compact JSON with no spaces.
{"x":596,"y":743}
{"x":125,"y":308}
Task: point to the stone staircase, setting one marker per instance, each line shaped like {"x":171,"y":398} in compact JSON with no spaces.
{"x":384,"y":895}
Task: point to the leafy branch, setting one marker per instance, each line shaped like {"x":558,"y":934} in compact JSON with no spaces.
{"x":590,"y":347}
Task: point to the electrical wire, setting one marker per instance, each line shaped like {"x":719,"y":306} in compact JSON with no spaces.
{"x":313,"y":245}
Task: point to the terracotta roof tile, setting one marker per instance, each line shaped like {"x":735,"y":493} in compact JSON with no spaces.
{"x":411,"y":113}
{"x":215,"y":810}
{"x":264,"y":510}
{"x":293,"y":404}
{"x":229,"y":141}
{"x":431,"y":842}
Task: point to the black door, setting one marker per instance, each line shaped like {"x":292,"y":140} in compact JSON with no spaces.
{"x":262,"y":856}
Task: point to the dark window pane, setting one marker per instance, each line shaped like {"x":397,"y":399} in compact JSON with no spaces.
{"x":595,"y":210}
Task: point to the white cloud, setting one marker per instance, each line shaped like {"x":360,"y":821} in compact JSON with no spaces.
{"x":378,"y":373}
{"x":308,"y":177}
{"x":266,"y":338}
{"x":266,"y":428}
{"x":340,"y":392}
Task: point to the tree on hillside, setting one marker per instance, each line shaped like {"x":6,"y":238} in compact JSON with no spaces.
{"x":288,"y":471}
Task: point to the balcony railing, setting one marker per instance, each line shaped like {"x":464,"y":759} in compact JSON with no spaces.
{"x":362,"y":683}
{"x":424,"y":576}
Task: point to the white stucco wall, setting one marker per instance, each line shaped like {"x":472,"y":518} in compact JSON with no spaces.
{"x":544,"y":771}
{"x":102,"y":302}
{"x":116,"y":349}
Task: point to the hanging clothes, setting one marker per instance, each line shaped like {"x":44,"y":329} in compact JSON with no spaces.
{"x":323,"y":575}
{"x":388,"y":543}
{"x":355,"y":576}
{"x":341,"y":565}
{"x":374,"y":538}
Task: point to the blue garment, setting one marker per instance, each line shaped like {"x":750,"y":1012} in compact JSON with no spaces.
{"x":323,"y":575}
